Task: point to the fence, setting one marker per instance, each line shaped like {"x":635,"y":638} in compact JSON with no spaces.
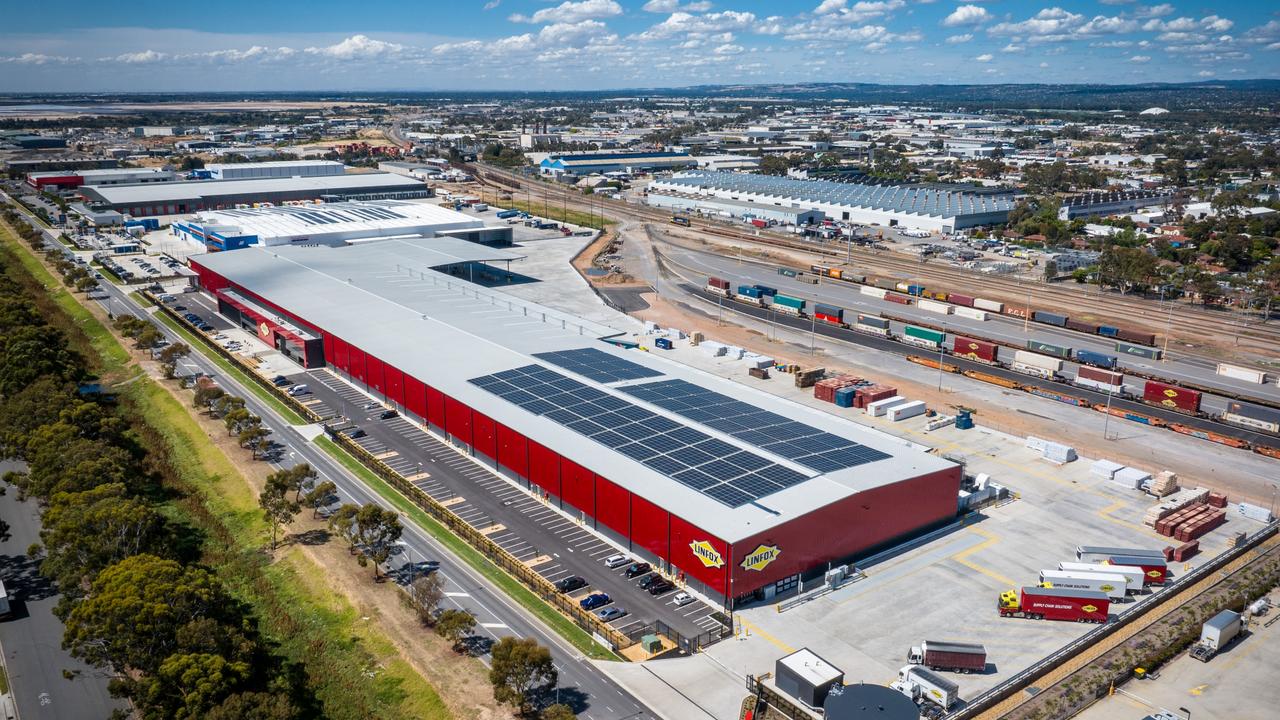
{"x":539,"y":585}
{"x":780,"y":704}
{"x":687,"y":643}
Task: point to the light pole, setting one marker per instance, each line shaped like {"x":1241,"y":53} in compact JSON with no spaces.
{"x":813,"y":333}
{"x":941,"y":346}
{"x":1106,"y":422}
{"x":1026,"y":319}
{"x":1168,"y":327}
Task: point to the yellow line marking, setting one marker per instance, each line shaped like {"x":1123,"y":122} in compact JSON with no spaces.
{"x":962,"y":557}
{"x":1197,"y":690}
{"x":772,"y":640}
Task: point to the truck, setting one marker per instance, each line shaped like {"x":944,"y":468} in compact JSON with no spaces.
{"x":1217,"y":633}
{"x":1039,"y":603}
{"x":1134,"y":577}
{"x":1115,"y":586}
{"x":937,"y":655}
{"x":504,"y":214}
{"x":6,"y":610}
{"x":1155,"y":569}
{"x":920,"y":683}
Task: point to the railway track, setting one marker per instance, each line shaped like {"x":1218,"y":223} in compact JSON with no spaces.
{"x":1187,"y":324}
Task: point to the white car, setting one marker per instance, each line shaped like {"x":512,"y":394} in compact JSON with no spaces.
{"x":616,"y":561}
{"x":681,"y":599}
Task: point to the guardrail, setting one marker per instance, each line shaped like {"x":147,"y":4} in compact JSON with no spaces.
{"x":1024,"y":679}
{"x":537,"y":584}
{"x":777,"y":702}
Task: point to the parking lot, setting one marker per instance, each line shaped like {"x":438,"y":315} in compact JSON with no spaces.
{"x":525,"y":524}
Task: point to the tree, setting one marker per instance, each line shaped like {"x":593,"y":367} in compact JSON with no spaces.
{"x":558,"y":711}
{"x":86,"y":532}
{"x":376,"y":530}
{"x":455,"y":626}
{"x":427,"y":592}
{"x":239,"y":418}
{"x":773,"y":165}
{"x":85,"y":284}
{"x":318,"y":496}
{"x":254,"y":706}
{"x":298,"y":478}
{"x":188,"y":685}
{"x":343,"y":522}
{"x":276,"y":506}
{"x":170,"y":356}
{"x":251,"y":435}
{"x":520,"y":668}
{"x":205,"y":395}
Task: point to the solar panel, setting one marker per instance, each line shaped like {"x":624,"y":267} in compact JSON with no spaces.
{"x":805,"y":444}
{"x":685,"y":454}
{"x":597,"y":364}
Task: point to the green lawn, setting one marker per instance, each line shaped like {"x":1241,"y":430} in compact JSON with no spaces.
{"x":549,"y":615}
{"x":227,"y":367}
{"x":553,"y":211}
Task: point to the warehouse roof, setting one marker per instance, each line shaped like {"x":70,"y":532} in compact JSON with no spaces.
{"x":196,"y":189}
{"x":275,"y":163}
{"x":371,"y":218}
{"x":546,"y":375}
{"x":917,"y":199}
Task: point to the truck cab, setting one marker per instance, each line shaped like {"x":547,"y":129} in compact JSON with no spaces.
{"x":1009,"y":603}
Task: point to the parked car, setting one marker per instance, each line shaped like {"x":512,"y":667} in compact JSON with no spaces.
{"x":610,"y":614}
{"x":594,"y":600}
{"x":638,"y":569}
{"x":356,"y":433}
{"x":571,"y":583}
{"x":387,"y":414}
{"x":648,"y":580}
{"x":279,"y":381}
{"x":660,"y":586}
{"x":616,"y":561}
{"x":297,"y":390}
{"x":681,"y":599}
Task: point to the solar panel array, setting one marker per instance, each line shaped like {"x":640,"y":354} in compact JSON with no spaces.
{"x":597,"y":365}
{"x":312,"y":215}
{"x":713,"y":467}
{"x":796,"y":441}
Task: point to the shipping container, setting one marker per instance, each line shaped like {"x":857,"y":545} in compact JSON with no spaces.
{"x":934,"y":306}
{"x":1171,"y":397}
{"x":760,"y":223}
{"x":787,"y":272}
{"x":901,"y":287}
{"x":1236,"y":372}
{"x":1137,"y":337}
{"x":1082,"y":326}
{"x":1049,"y":349}
{"x":988,"y":305}
{"x":836,"y":273}
{"x":1135,"y":579}
{"x":1254,"y":416}
{"x":718,"y":286}
{"x":958,"y":299}
{"x":829,"y":313}
{"x":872,"y":324}
{"x":663,"y":343}
{"x":923,"y":337}
{"x":1044,"y":362}
{"x":1105,"y":380}
{"x":1156,"y":569}
{"x":748,"y":292}
{"x":1108,"y":331}
{"x":1049,"y":318}
{"x":974,"y":349}
{"x":915,"y":290}
{"x":766,"y":290}
{"x":1055,"y":604}
{"x":971,"y":313}
{"x":961,"y":657}
{"x":887,"y":283}
{"x":1114,"y":585}
{"x":1097,"y":359}
{"x":788,"y":304}
{"x":873,"y":291}
{"x":896,"y":298}
{"x":1149,"y":353}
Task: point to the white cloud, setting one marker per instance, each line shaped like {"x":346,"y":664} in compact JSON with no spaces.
{"x":1154,"y":11}
{"x":1012,"y":48}
{"x":1139,"y":58}
{"x":1213,"y":23}
{"x":492,"y":4}
{"x":967,"y":15}
{"x":358,"y":47}
{"x":670,"y":6}
{"x":985,"y":57}
{"x":729,"y":49}
{"x":38,"y":59}
{"x":571,"y":12}
{"x":957,"y":39}
{"x":830,"y":6}
{"x":140,"y":58}
{"x":1115,"y":2}
{"x":682,"y":23}
{"x":1044,"y":64}
{"x":1205,"y":73}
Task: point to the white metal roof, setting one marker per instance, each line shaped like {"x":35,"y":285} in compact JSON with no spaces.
{"x":274,"y":163}
{"x":187,"y":191}
{"x":811,"y":668}
{"x":384,"y":298}
{"x":356,"y":219}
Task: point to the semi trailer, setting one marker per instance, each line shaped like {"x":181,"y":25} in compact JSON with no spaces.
{"x":1134,"y":577}
{"x":961,"y":657}
{"x":1054,"y":604}
{"x":921,"y":684}
{"x":1116,"y":587}
{"x":1217,"y":633}
{"x":1095,"y":553}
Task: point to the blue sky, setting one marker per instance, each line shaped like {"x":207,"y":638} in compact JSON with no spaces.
{"x":148,"y":45}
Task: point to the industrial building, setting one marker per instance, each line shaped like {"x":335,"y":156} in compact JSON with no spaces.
{"x":334,"y":224}
{"x":927,"y":207}
{"x":735,"y":208}
{"x":115,"y":176}
{"x":179,"y":198}
{"x":1103,"y":204}
{"x":30,"y":165}
{"x":615,"y":162}
{"x":735,"y":491}
{"x":275,"y":169}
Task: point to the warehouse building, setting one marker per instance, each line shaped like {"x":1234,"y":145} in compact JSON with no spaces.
{"x":616,"y":162}
{"x":30,"y":165}
{"x":1102,"y":204}
{"x":738,"y":209}
{"x":183,"y":197}
{"x":275,"y":169}
{"x":115,"y":176}
{"x":926,"y":207}
{"x":335,"y":224}
{"x":735,"y":491}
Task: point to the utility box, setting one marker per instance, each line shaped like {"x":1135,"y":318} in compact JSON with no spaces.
{"x":806,"y":677}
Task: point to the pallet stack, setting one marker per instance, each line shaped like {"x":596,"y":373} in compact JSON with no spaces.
{"x":1218,"y":500}
{"x":1174,"y":503}
{"x":871,"y":393}
{"x":1186,"y":550}
{"x":1193,"y":529}
{"x":1166,"y":483}
{"x":825,"y":390}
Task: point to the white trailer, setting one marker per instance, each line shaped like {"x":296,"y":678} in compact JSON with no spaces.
{"x":1115,"y":586}
{"x":1242,"y":373}
{"x":1134,"y":576}
{"x":1093,"y":553}
{"x":1216,"y":634}
{"x":928,"y":685}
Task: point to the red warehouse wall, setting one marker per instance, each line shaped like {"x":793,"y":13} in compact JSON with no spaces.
{"x":683,"y":536}
{"x":415,"y":397}
{"x":395,"y":384}
{"x":577,"y":485}
{"x":484,"y":436}
{"x":513,"y":451}
{"x":373,"y":374}
{"x":458,"y":419}
{"x":544,"y":468}
{"x":435,"y":407}
{"x":355,"y":365}
{"x":847,"y":527}
{"x":649,"y":527}
{"x":613,"y":506}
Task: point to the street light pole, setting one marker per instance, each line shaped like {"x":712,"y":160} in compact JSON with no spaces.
{"x":941,"y":346}
{"x":813,"y":334}
{"x":1026,"y":319}
{"x":1106,"y":423}
{"x":1168,"y":328}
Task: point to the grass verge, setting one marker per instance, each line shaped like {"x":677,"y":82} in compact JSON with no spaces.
{"x":512,"y":587}
{"x":4,"y":681}
{"x":552,"y":211}
{"x":223,"y":364}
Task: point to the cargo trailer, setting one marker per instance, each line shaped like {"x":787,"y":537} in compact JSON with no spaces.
{"x":1254,"y":416}
{"x":789,"y":305}
{"x":1149,"y":353}
{"x":934,"y":306}
{"x":1115,"y":586}
{"x":1097,"y":359}
{"x":1217,"y":633}
{"x":1171,"y":397}
{"x":746,"y":293}
{"x":829,"y":313}
{"x":1049,"y":318}
{"x":928,"y":685}
{"x":960,"y":657}
{"x":923,"y":337}
{"x":1039,"y":365}
{"x":1104,"y":380}
{"x":1049,"y":349}
{"x":1136,"y":337}
{"x":873,"y":325}
{"x":504,"y":214}
{"x":1092,"y":553}
{"x":1236,"y":372}
{"x":1054,"y":604}
{"x":717,"y":286}
{"x":979,"y":350}
{"x":1135,"y":578}
{"x":1156,"y":569}
{"x":1081,"y":326}
{"x":988,"y":305}
{"x":958,"y":299}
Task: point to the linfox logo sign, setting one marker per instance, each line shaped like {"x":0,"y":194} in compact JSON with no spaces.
{"x":1089,"y":608}
{"x":760,"y":558}
{"x":707,"y":553}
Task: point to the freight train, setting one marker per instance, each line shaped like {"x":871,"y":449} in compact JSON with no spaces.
{"x":1096,"y":371}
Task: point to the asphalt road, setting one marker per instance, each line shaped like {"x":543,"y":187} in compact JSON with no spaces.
{"x":589,"y":691}
{"x":32,"y":638}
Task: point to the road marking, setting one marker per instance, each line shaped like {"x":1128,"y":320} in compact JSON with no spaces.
{"x":457,"y":594}
{"x":962,"y":557}
{"x":494,"y":625}
{"x":751,"y":628}
{"x":496,"y":527}
{"x":539,"y":560}
{"x":456,"y":499}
